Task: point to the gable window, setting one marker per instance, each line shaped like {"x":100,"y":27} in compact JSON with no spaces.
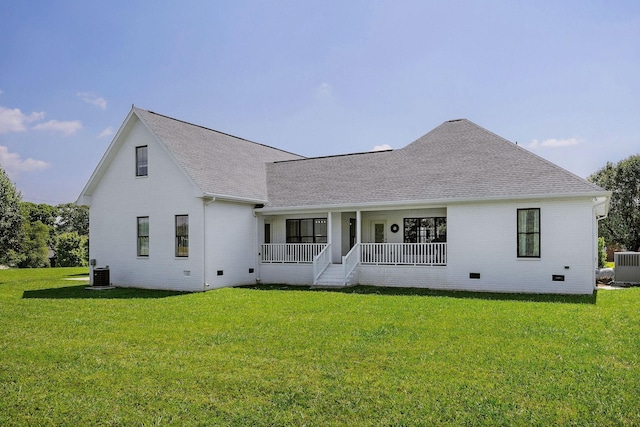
{"x":529,"y":233}
{"x":143,"y":236}
{"x":312,"y":230}
{"x":425,"y":230}
{"x":142,"y":161}
{"x":182,"y":235}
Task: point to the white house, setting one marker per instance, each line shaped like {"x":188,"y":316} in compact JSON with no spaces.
{"x":178,"y":206}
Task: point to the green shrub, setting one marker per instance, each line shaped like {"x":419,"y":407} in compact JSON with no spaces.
{"x":34,"y":251}
{"x":72,"y":250}
{"x":602,"y":253}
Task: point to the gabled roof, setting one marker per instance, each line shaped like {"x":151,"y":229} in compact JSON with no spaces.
{"x":458,"y":160}
{"x":218,"y":164}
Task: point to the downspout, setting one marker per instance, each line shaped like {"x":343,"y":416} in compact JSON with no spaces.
{"x":595,"y":239}
{"x":207,"y":201}
{"x":256,"y":244}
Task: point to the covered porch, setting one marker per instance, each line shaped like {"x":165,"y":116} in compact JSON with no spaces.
{"x":329,"y":247}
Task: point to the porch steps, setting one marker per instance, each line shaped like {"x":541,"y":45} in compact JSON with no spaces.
{"x":331,"y":277}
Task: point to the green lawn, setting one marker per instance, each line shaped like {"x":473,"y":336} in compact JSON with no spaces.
{"x":271,"y":356}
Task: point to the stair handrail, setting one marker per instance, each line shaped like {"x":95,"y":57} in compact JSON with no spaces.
{"x":349,"y":262}
{"x":321,"y":262}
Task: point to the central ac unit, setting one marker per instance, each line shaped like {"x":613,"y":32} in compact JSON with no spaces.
{"x":627,"y":267}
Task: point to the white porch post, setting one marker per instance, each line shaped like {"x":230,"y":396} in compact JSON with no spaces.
{"x":259,"y":242}
{"x":335,"y":231}
{"x":329,"y":228}
{"x":358,"y":227}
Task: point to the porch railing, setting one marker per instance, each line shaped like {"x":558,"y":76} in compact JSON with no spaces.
{"x":404,"y":253}
{"x":430,"y":254}
{"x":290,"y":252}
{"x":320,"y":262}
{"x":350,"y":261}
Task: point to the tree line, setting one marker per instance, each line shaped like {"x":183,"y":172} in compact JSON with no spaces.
{"x":622,"y":225}
{"x":40,"y":235}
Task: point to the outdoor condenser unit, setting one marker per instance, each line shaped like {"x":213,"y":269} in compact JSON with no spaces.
{"x":627,"y":267}
{"x":101,"y":277}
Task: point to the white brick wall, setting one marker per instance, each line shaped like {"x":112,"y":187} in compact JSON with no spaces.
{"x":232,"y":244}
{"x":288,"y":274}
{"x":482,"y":239}
{"x":394,"y":217}
{"x":401,"y":276}
{"x":121,"y":197}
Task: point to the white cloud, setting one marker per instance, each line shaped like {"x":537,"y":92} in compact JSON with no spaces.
{"x":13,"y":164}
{"x":92,"y":99}
{"x":325,"y":90}
{"x":106,"y":133}
{"x":14,"y":120}
{"x":65,"y":128}
{"x":554,"y":143}
{"x":382,"y":147}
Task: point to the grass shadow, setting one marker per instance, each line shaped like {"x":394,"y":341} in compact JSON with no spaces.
{"x":395,"y":291}
{"x":79,"y":292}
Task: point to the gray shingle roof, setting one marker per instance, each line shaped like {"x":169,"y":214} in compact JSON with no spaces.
{"x":456,"y":160}
{"x":218,"y":163}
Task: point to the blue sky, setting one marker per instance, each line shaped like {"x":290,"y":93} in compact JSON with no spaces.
{"x":562,"y":78}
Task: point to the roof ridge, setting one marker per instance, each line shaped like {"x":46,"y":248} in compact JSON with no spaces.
{"x":335,"y":155}
{"x":217,"y":131}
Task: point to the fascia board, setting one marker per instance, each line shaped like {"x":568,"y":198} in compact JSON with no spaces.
{"x":228,"y":198}
{"x":107,"y":157}
{"x":410,"y":204}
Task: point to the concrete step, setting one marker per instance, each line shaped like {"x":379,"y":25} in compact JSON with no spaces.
{"x":332,"y":276}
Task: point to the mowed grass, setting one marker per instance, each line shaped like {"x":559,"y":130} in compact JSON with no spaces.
{"x":276,"y":357}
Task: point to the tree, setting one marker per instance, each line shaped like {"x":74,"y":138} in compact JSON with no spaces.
{"x":73,"y":218}
{"x":72,"y":250}
{"x":46,"y":214}
{"x":623,"y":180}
{"x":10,"y":218}
{"x":42,"y":212}
{"x":34,"y":249}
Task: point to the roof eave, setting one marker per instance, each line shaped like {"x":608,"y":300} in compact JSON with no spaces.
{"x":230,"y":198}
{"x":84,"y":199}
{"x":598,"y":196}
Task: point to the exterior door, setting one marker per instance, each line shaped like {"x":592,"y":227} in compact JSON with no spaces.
{"x":379,"y":232}
{"x":352,"y":232}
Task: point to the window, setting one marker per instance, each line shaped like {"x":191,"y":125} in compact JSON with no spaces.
{"x":143,"y":236}
{"x":425,"y":230}
{"x":182,"y":235}
{"x":142,"y":161}
{"x":307,"y":230}
{"x":267,"y":233}
{"x":529,"y":233}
